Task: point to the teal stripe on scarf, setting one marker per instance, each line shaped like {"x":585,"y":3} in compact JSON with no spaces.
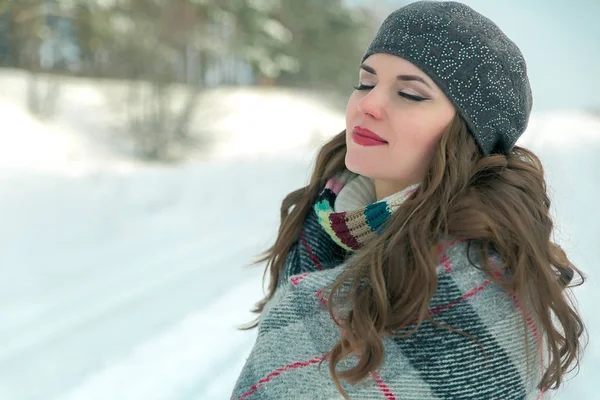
{"x":376,"y":215}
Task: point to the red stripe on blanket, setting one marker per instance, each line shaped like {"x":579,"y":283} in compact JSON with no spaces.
{"x":314,"y":258}
{"x":448,"y":268}
{"x":321,"y":297}
{"x":295,"y":280}
{"x":534,"y":332}
{"x":387,"y":393}
{"x":464,"y":297}
{"x":529,"y":321}
{"x":444,"y":259}
{"x":279,"y":371}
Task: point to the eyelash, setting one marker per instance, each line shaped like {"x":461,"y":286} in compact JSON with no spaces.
{"x":401,"y":94}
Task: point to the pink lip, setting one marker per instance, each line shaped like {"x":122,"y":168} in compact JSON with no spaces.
{"x":365,"y":137}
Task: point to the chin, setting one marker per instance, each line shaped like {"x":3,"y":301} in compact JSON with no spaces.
{"x":359,"y":165}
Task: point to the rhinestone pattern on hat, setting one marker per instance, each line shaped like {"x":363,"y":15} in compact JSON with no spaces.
{"x":473,"y":62}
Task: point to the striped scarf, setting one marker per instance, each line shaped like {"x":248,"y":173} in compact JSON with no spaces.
{"x":345,"y":216}
{"x":351,"y":229}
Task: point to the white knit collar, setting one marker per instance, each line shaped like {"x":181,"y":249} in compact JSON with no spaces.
{"x":359,"y":192}
{"x":356,"y":194}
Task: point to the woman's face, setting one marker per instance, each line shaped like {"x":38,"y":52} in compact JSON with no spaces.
{"x":398,"y":102}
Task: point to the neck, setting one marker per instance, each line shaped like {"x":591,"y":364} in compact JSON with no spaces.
{"x":384,"y":189}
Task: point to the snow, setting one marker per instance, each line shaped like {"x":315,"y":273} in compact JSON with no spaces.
{"x":121,"y":280}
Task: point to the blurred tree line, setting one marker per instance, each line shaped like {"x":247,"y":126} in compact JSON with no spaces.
{"x":160,"y":45}
{"x":209,"y":42}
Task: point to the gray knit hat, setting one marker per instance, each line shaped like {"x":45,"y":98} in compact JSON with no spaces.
{"x":472,"y":61}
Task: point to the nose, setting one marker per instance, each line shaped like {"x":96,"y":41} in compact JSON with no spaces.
{"x":372,"y":103}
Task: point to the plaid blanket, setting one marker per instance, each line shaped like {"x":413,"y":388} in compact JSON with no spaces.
{"x":296,"y":332}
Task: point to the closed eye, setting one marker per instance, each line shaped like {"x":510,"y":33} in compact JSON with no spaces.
{"x":401,"y":94}
{"x":363,"y":87}
{"x":411,"y":97}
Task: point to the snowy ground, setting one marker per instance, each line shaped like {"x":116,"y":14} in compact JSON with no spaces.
{"x":123,"y":281}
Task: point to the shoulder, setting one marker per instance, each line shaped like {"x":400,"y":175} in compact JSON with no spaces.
{"x":481,"y":337}
{"x":461,"y":261}
{"x":465,"y":285}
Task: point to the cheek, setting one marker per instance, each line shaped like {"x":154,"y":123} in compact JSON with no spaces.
{"x":415,"y":132}
{"x":351,"y":109}
{"x":416,"y":139}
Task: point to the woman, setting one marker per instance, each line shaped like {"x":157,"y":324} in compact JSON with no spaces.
{"x":418,"y":262}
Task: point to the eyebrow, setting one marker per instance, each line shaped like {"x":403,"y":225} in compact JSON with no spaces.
{"x":399,"y":77}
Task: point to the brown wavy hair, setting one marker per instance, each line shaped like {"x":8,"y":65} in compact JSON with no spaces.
{"x":499,"y":200}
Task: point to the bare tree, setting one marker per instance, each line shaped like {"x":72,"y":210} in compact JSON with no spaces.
{"x":152,"y":44}
{"x":33,"y":36}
